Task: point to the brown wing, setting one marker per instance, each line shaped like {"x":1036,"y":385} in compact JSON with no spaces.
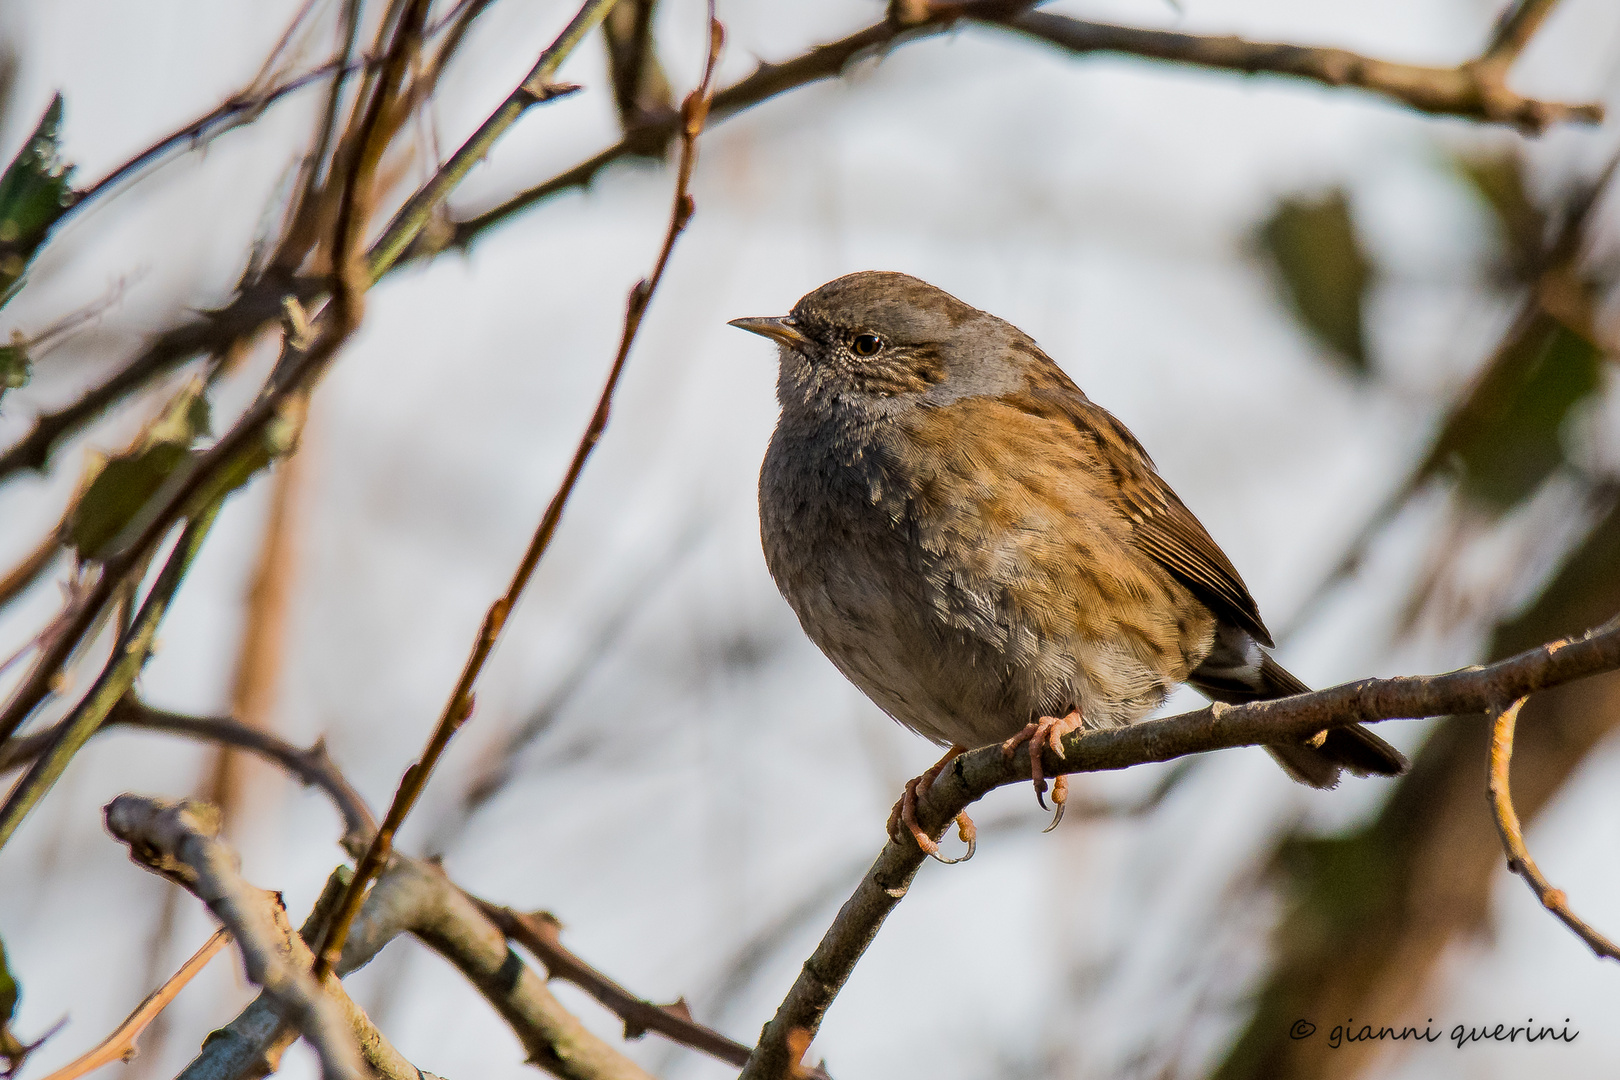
{"x":1163,"y":526}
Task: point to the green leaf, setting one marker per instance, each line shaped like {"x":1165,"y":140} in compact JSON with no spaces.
{"x":35,"y":191}
{"x":1322,"y":271}
{"x":1509,"y":438}
{"x":1498,"y":180}
{"x":121,"y":487}
{"x":15,"y":368}
{"x":11,"y":1047}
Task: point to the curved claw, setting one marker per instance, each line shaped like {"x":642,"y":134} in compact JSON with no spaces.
{"x":1060,"y":799}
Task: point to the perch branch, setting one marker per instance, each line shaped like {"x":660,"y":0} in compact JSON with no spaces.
{"x":1507,"y":824}
{"x":971,"y":776}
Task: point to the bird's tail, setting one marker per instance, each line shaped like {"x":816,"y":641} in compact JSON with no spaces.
{"x":1238,"y":670}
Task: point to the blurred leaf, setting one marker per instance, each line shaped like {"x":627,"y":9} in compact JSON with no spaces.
{"x":1498,"y":180}
{"x":1323,"y":271}
{"x":121,"y":486}
{"x":34,"y":192}
{"x":14,"y":366}
{"x":12,"y":1048}
{"x":1506,"y":439}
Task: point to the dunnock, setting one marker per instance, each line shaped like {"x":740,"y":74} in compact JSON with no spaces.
{"x":985,"y":552}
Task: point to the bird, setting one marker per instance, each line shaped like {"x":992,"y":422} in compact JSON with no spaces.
{"x":988,"y":554}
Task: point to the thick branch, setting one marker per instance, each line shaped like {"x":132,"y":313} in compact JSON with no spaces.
{"x":418,"y":897}
{"x":1507,"y":826}
{"x":971,"y":776}
{"x":180,"y":841}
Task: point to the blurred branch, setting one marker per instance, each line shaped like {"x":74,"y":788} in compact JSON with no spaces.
{"x":971,"y":776}
{"x":313,"y":767}
{"x":1472,"y":90}
{"x":120,"y":1044}
{"x":35,"y":563}
{"x":640,"y":89}
{"x":1475,"y":90}
{"x":540,"y":934}
{"x":1507,"y":825}
{"x":180,"y":841}
{"x":460,"y":703}
{"x":133,"y":649}
{"x":256,"y":307}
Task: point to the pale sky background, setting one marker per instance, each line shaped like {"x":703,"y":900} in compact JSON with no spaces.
{"x":714,"y":770}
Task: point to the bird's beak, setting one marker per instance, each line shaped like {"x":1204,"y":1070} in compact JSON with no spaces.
{"x":780,"y":330}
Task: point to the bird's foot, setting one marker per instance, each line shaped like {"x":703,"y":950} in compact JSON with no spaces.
{"x":905,"y":812}
{"x":1048,"y":731}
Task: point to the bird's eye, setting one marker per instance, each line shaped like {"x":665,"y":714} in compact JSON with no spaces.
{"x":866,"y":345}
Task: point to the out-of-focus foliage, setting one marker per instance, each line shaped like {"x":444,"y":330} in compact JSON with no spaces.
{"x":35,"y":191}
{"x":1506,"y":439}
{"x":12,"y":1049}
{"x":120,"y":486}
{"x":1322,"y":270}
{"x":14,"y":364}
{"x":1498,"y":180}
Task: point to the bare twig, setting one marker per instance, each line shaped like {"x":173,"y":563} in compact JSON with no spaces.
{"x":1459,"y":91}
{"x":1507,"y":825}
{"x":120,"y":1045}
{"x":540,"y":934}
{"x":1476,"y":90}
{"x":180,"y":841}
{"x":974,"y":774}
{"x":133,"y":649}
{"x":460,"y":703}
{"x":313,"y":767}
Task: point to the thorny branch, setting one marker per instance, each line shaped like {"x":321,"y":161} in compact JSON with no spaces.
{"x":1507,"y":824}
{"x":180,"y":841}
{"x":971,"y":776}
{"x":460,"y":703}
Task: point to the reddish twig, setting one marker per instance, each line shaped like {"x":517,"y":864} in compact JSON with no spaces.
{"x":1518,"y":855}
{"x":460,"y":703}
{"x":120,"y":1045}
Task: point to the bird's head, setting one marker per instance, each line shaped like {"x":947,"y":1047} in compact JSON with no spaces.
{"x":884,"y":342}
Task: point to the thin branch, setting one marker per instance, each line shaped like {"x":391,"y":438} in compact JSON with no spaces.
{"x":1507,"y":825}
{"x":133,"y":649}
{"x":1476,"y":90}
{"x":255,"y":308}
{"x":180,"y":841}
{"x":1455,"y":91}
{"x":540,"y":934}
{"x":313,"y":767}
{"x":460,"y":703}
{"x":971,"y":776}
{"x":120,"y":1045}
{"x":35,"y":563}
